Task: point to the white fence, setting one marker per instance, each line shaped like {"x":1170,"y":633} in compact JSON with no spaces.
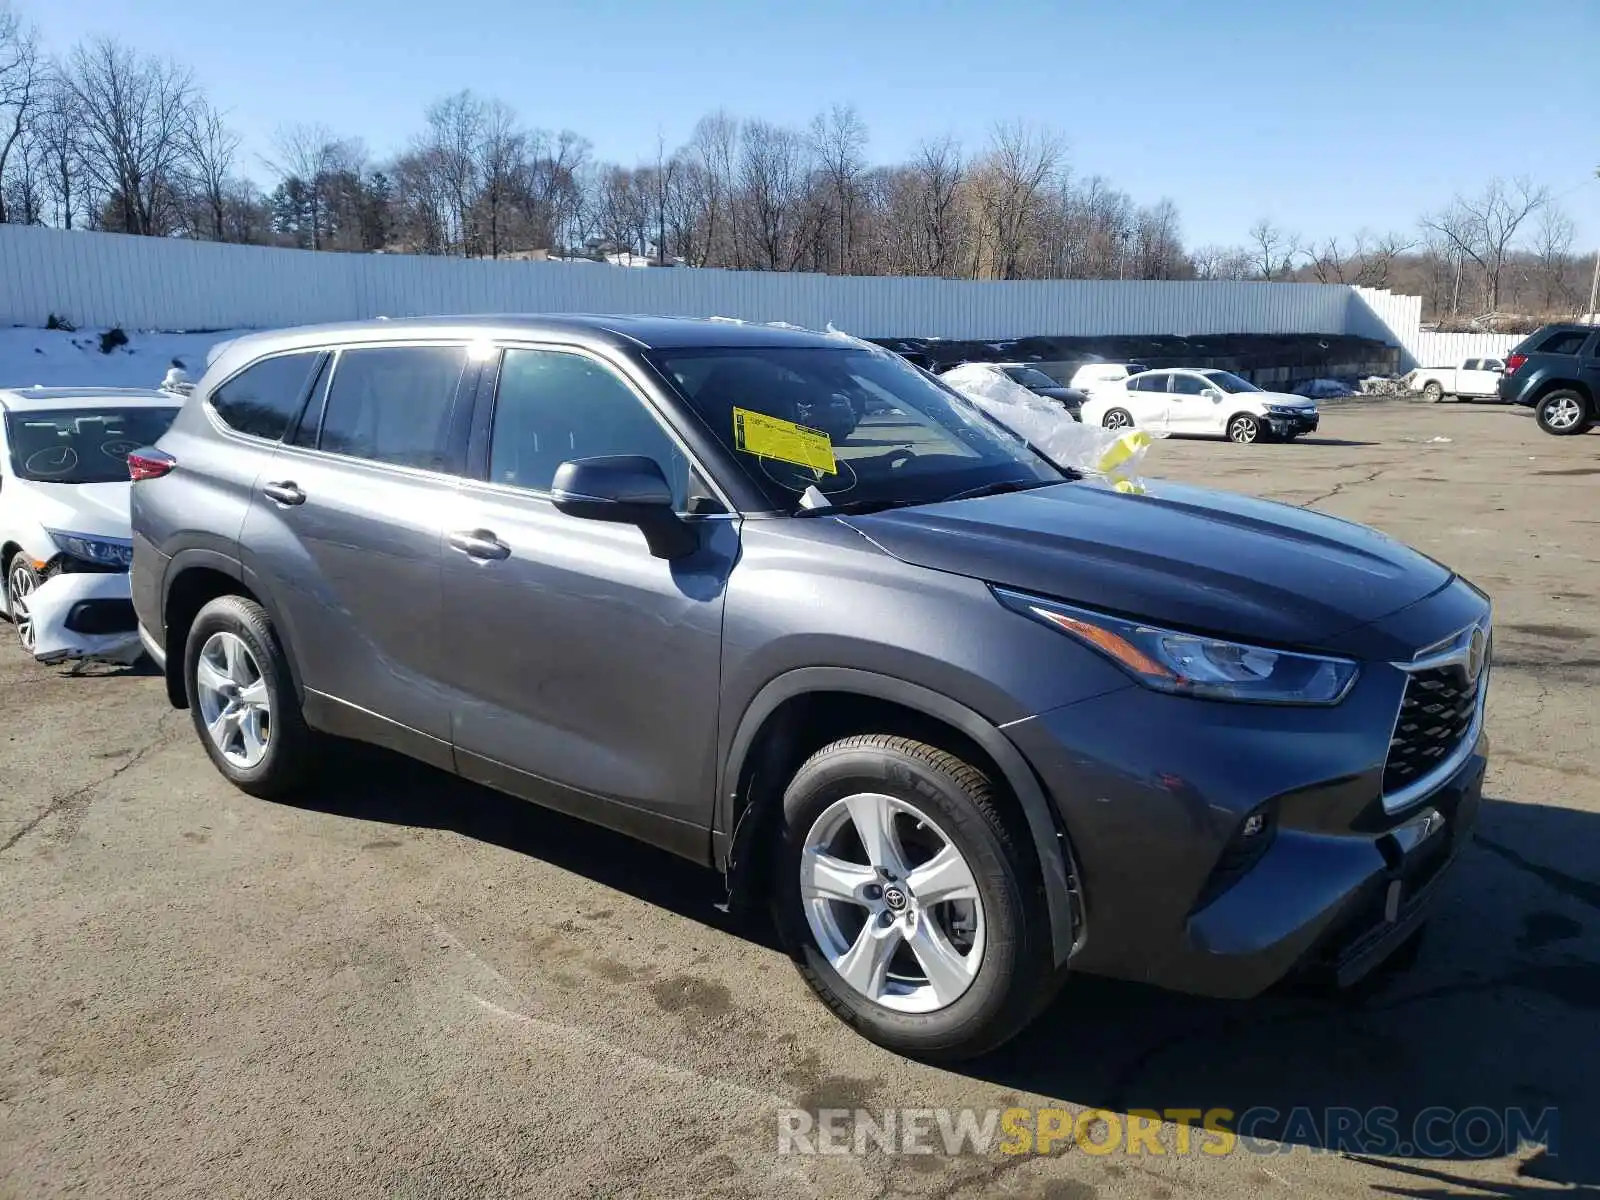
{"x":1430,"y":349}
{"x":100,"y":279}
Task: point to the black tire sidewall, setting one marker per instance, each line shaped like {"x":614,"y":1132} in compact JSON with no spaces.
{"x":1256,"y":421}
{"x":986,"y":1012}
{"x":1128,"y":424}
{"x":249,"y":622}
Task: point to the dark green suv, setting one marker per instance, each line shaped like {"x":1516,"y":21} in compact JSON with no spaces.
{"x":1556,"y":372}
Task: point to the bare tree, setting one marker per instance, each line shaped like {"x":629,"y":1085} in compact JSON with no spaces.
{"x":1483,"y":227}
{"x":1019,"y":164}
{"x":209,"y":151}
{"x":21,"y":77}
{"x":839,"y":142}
{"x":135,"y":111}
{"x":58,"y":130}
{"x":939,"y":170}
{"x":772,"y":179}
{"x":1552,"y":252}
{"x":307,"y":153}
{"x":1272,"y":250}
{"x":501,"y":154}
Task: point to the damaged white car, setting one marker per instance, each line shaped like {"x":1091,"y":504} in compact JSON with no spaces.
{"x":65,"y":537}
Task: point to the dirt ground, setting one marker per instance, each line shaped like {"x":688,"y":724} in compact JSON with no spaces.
{"x":410,"y":987}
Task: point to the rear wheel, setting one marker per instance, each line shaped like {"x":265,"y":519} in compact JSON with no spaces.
{"x":21,"y":582}
{"x":1563,"y":413}
{"x":907,"y":902}
{"x":1117,"y":418}
{"x":1244,"y":428}
{"x":243,"y":699}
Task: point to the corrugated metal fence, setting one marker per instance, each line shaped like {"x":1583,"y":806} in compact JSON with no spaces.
{"x":100,"y":279}
{"x":1449,"y":349}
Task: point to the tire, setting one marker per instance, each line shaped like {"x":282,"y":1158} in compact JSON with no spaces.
{"x":933,"y":799}
{"x":20,"y":580}
{"x":1564,"y":413}
{"x":1434,"y":392}
{"x":265,"y":754}
{"x":1117,"y":418}
{"x":1245,"y":429}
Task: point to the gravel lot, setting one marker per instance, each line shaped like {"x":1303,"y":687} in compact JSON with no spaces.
{"x":411,"y":987}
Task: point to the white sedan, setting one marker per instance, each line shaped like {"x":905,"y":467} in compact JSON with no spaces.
{"x":1203,"y":403}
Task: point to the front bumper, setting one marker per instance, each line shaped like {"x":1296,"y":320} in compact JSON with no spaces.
{"x":1152,"y":791}
{"x":1284,"y":425}
{"x":84,"y":615}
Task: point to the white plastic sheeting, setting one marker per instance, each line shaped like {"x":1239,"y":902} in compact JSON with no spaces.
{"x":1112,"y":455}
{"x":52,"y":601}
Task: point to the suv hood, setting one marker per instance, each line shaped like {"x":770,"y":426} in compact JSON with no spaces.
{"x":98,"y":509}
{"x":1190,"y":557}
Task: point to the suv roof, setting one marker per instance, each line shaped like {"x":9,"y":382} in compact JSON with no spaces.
{"x":650,"y":333}
{"x":34,"y":398}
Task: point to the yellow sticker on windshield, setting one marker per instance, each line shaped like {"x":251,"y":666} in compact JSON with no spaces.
{"x":772,"y":437}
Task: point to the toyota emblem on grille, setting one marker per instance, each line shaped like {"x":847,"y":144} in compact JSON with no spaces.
{"x":1477,"y":652}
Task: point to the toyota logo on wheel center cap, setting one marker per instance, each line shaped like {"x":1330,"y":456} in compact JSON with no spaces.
{"x":894,"y":898}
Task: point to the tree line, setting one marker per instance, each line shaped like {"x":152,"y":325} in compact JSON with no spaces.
{"x":105,"y":137}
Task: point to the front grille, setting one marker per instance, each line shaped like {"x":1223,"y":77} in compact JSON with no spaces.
{"x":1436,"y":714}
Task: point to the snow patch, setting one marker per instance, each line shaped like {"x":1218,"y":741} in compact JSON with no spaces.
{"x":56,"y":358}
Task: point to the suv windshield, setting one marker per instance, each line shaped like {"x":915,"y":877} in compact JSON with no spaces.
{"x":1030,"y":377}
{"x":1230,"y":382}
{"x":81,"y":445}
{"x":894,"y":436}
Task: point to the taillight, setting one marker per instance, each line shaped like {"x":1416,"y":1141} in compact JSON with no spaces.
{"x":1514,"y":362}
{"x":150,"y":464}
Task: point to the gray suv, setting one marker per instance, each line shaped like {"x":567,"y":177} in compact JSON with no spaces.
{"x":964,"y":720}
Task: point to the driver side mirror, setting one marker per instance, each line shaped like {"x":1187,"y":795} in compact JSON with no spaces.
{"x":1212,"y":393}
{"x":624,"y":489}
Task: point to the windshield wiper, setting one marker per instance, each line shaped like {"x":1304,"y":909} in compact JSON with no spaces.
{"x":853,"y":507}
{"x":1001,"y":488}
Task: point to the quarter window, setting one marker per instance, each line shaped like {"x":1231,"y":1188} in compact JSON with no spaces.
{"x":1569,"y":341}
{"x":393,"y":404}
{"x":553,"y":406}
{"x":262,"y":399}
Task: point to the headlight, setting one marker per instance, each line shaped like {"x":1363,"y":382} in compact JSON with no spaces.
{"x":1190,"y":664}
{"x":97,"y":551}
{"x":1283,"y":410}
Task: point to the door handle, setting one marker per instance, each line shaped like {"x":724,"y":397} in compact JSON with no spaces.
{"x":286,"y":492}
{"x":479,"y":543}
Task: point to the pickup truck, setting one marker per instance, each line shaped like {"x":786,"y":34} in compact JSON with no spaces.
{"x":1474,"y":379}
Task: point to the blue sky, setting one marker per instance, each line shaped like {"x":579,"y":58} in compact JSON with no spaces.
{"x":1325,"y":115}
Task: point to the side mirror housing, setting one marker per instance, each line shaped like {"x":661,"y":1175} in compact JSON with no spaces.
{"x":625,"y":489}
{"x":1213,"y":393}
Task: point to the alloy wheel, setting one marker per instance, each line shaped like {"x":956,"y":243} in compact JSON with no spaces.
{"x":1563,"y":413}
{"x":19,"y":588}
{"x":892,"y":903}
{"x":1117,"y":419}
{"x":234,"y":701}
{"x":1244,"y":429}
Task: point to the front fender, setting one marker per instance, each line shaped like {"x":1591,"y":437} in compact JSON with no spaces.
{"x":1050,"y":843}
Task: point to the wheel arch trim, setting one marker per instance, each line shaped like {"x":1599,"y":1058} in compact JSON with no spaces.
{"x":1050,"y":843}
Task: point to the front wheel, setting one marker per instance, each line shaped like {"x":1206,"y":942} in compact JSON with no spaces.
{"x":21,"y":582}
{"x":1563,"y":413}
{"x":243,"y":699}
{"x":1244,"y":428}
{"x":1434,"y":392}
{"x":907,"y":901}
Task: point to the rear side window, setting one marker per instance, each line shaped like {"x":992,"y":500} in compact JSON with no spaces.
{"x":1149,"y":383}
{"x":262,"y":399}
{"x":393,"y":404}
{"x":1568,"y":341}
